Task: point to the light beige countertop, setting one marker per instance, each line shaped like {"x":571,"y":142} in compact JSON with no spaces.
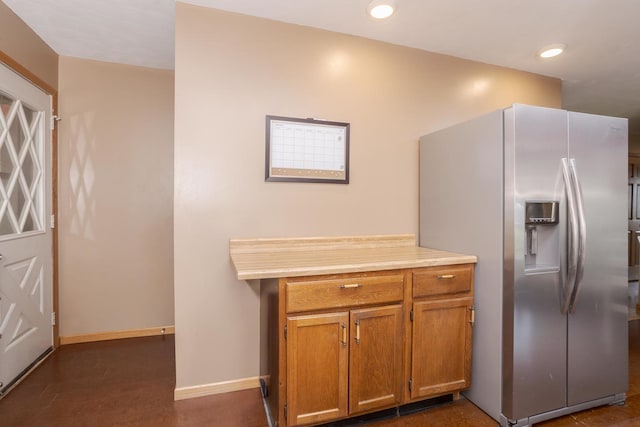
{"x":294,"y":257}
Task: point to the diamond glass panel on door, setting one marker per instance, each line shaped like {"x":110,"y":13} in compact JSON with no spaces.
{"x":21,"y":178}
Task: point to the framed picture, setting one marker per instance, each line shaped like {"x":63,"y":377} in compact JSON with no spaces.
{"x":306,"y":150}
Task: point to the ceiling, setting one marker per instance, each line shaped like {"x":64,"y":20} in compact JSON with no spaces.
{"x":600,"y":68}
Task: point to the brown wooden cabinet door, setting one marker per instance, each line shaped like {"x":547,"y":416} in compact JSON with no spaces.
{"x":441,"y":347}
{"x":317,"y":363}
{"x":375,"y":364}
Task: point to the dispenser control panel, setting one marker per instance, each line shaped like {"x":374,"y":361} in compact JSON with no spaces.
{"x":541,"y":213}
{"x":542,"y":237}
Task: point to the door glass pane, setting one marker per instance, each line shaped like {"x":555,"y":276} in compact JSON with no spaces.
{"x":17,"y":132}
{"x":29,"y":171}
{"x":16,"y":201}
{"x":21,"y":179}
{"x":5,"y":104}
{"x":5,"y":226}
{"x":28,"y":224}
{"x":6,"y":166}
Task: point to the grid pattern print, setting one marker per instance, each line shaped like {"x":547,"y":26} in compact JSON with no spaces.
{"x":307,"y":146}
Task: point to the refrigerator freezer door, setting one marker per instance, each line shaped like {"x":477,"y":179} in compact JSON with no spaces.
{"x":534,"y":351}
{"x":597,"y":328}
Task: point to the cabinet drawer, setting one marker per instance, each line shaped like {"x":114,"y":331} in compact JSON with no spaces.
{"x":438,"y":281}
{"x":343,"y":292}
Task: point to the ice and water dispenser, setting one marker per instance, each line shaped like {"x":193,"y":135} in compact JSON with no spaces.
{"x":543,"y":236}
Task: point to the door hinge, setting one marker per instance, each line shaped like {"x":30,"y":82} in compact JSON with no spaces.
{"x":285,"y":332}
{"x":54,"y":119}
{"x":52,"y":221}
{"x":472,"y":320}
{"x":53,"y":318}
{"x":285,"y":411}
{"x":411,"y":315}
{"x":410,"y":384}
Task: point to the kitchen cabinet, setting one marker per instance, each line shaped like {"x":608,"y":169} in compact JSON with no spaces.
{"x":443,"y":317}
{"x":341,"y":364}
{"x":375,"y":368}
{"x":349,"y":350}
{"x":317,"y":367}
{"x":351,"y":326}
{"x":441,"y":347}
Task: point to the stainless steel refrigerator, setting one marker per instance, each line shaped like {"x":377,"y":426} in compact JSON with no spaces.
{"x":540,"y":196}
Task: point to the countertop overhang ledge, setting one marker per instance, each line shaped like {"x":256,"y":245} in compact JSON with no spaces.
{"x":307,"y":256}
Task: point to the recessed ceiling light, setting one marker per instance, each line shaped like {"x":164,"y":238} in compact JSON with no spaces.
{"x":381,"y":9}
{"x":551,"y":51}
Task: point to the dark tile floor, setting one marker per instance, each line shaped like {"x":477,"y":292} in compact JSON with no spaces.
{"x":130,"y":383}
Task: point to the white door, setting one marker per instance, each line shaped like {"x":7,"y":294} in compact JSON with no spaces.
{"x":26,"y":331}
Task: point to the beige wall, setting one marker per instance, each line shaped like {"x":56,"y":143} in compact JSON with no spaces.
{"x":24,"y":46}
{"x":115,"y":197}
{"x":231,"y":71}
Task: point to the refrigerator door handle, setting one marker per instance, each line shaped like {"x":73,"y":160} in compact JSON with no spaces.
{"x":582,"y":234}
{"x":573,"y":241}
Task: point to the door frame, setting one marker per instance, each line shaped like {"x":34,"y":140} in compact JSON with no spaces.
{"x":633,"y":230}
{"x":41,"y":84}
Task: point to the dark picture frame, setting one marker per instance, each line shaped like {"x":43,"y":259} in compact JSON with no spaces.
{"x":306,"y":150}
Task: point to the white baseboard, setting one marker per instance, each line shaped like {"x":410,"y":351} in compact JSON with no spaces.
{"x":115,"y":335}
{"x":216,"y":388}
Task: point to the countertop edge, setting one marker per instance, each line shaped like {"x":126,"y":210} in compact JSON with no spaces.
{"x":303,"y":244}
{"x":454,"y":259}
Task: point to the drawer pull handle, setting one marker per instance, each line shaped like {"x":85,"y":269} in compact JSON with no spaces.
{"x":344,"y":334}
{"x":446,"y":276}
{"x":357,"y":331}
{"x":351,"y":285}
